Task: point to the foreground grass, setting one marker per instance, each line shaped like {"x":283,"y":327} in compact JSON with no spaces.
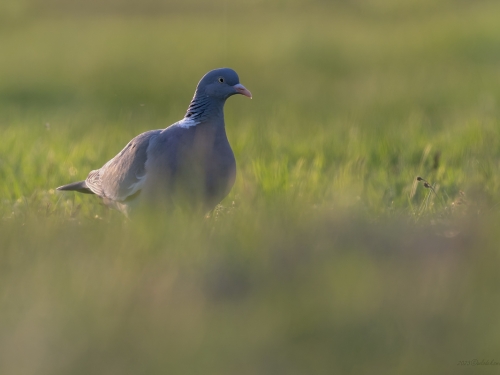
{"x":252,"y":294}
{"x":327,"y":257}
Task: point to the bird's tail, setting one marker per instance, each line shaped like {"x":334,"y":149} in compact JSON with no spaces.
{"x":79,"y":186}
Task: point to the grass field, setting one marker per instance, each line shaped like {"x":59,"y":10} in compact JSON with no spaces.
{"x":327,"y":257}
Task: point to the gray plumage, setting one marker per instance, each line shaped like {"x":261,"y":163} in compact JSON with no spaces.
{"x":190,"y":162}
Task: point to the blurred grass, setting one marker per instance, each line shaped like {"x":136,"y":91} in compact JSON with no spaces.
{"x":327,"y":257}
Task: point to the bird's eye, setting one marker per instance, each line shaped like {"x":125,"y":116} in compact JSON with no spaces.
{"x":221,"y":80}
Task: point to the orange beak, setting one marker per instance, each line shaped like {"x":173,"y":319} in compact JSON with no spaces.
{"x":240,"y":89}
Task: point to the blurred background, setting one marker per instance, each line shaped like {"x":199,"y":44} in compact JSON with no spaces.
{"x":328,"y":256}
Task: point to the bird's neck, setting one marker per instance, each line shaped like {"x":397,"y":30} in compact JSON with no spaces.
{"x":203,"y":109}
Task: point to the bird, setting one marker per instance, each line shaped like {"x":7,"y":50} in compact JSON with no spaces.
{"x":189,"y":163}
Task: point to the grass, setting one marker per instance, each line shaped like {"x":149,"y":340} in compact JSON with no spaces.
{"x":328,"y":256}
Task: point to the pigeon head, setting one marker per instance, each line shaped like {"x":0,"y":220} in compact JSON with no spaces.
{"x":211,"y":93}
{"x":221,"y":84}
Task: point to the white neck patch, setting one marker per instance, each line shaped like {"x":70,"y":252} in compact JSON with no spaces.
{"x":187,"y":122}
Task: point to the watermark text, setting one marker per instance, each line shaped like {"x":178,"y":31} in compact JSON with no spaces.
{"x":477,"y":362}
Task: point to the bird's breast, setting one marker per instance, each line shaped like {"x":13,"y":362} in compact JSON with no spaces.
{"x":199,"y":167}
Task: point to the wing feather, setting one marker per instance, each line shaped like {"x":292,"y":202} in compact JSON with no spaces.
{"x":125,"y":174}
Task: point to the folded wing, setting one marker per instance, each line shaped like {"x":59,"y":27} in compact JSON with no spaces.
{"x":122,"y":177}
